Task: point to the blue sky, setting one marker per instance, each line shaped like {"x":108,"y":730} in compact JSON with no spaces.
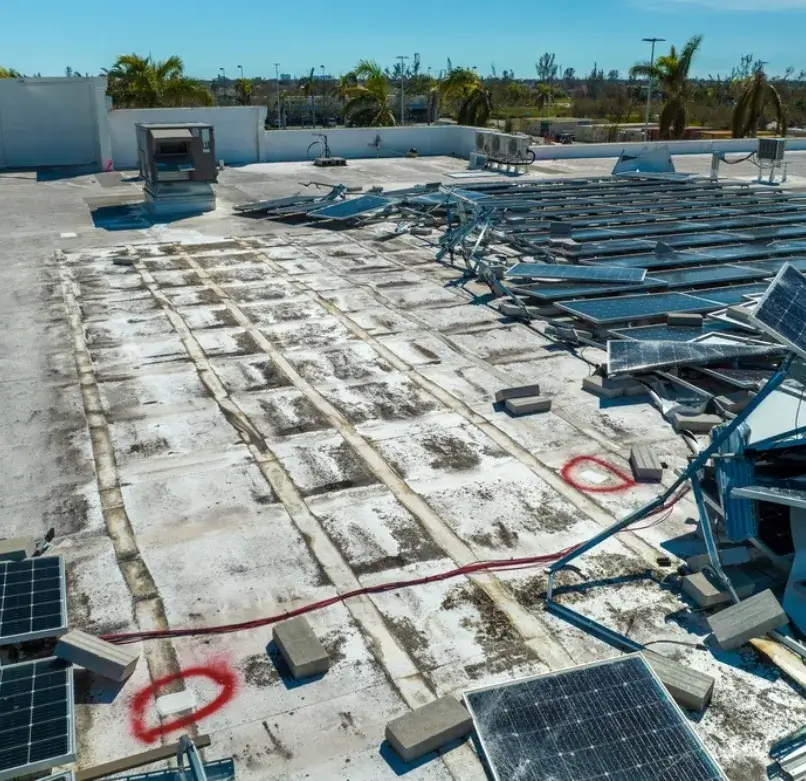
{"x":45,"y":35}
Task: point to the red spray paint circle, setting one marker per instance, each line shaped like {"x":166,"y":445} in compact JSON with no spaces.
{"x":567,"y":474}
{"x":219,"y":674}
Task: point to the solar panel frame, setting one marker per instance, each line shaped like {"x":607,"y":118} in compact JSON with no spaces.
{"x":47,"y":611}
{"x":776,"y":494}
{"x":51,"y":685}
{"x":654,"y":305}
{"x":603,"y":272}
{"x":562,"y":707}
{"x":354,"y":207}
{"x":781,"y":312}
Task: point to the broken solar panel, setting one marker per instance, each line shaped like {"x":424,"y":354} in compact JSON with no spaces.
{"x":33,"y":602}
{"x":781,"y":312}
{"x":608,"y":721}
{"x":37,"y":723}
{"x":346,"y":210}
{"x":630,"y":356}
{"x":600,"y":273}
{"x":790,"y":497}
{"x":625,"y":308}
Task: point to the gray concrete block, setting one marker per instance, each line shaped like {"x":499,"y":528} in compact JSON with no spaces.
{"x":508,"y":309}
{"x":706,"y":591}
{"x":751,"y":618}
{"x":696,"y":424}
{"x":527,"y":406}
{"x":689,"y":688}
{"x":17,"y":549}
{"x":645,"y":464}
{"x":733,"y":402}
{"x":518,"y":392}
{"x":426,"y":729}
{"x":612,"y":389}
{"x":116,"y":662}
{"x":730,"y":557}
{"x":300,"y":647}
{"x":684,"y":318}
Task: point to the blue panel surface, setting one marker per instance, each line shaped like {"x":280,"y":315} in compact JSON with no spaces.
{"x":32,"y":599}
{"x":601,"y":273}
{"x":672,"y":333}
{"x":704,"y":239}
{"x":611,"y":721}
{"x":624,"y":308}
{"x":658,"y":260}
{"x":345,"y":210}
{"x":727,"y":296}
{"x":564,"y":292}
{"x":782,"y":310}
{"x":708,"y":275}
{"x":37,"y":729}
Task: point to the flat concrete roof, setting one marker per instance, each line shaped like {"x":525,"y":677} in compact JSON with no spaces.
{"x":258,"y":416}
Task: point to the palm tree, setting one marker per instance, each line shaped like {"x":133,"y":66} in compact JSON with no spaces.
{"x":8,"y":73}
{"x":475,"y":100}
{"x":140,"y":82}
{"x":345,"y":83}
{"x":243,"y":92}
{"x":749,"y":111}
{"x":368,"y":103}
{"x":543,"y":95}
{"x":308,"y":87}
{"x":671,"y":70}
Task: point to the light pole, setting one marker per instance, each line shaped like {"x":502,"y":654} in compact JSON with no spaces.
{"x":402,"y":58}
{"x":223,"y":81}
{"x":240,"y":67}
{"x":277,"y":72}
{"x":653,"y":41}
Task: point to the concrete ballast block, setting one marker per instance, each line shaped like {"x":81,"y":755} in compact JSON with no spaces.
{"x":116,"y":662}
{"x":300,"y":648}
{"x":426,"y":729}
{"x":754,"y":617}
{"x":706,"y":591}
{"x":684,"y":318}
{"x":17,"y":549}
{"x":645,"y":464}
{"x":696,"y":424}
{"x":612,"y":389}
{"x":518,"y":392}
{"x":689,"y":688}
{"x":730,"y":557}
{"x":527,"y":406}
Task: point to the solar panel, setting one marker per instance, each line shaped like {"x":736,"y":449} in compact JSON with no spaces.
{"x":671,"y":333}
{"x":626,"y":356}
{"x":623,"y":308}
{"x":609,"y":721}
{"x":33,"y":600}
{"x":657,"y":260}
{"x":782,"y":310}
{"x":706,"y":275}
{"x":746,"y":379}
{"x":601,"y":273}
{"x":346,"y":210}
{"x":727,"y":296}
{"x":552,"y":292}
{"x":37,"y":722}
{"x":704,"y":239}
{"x":791,"y":497}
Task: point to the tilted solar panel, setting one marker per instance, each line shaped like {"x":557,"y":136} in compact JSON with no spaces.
{"x":781,"y":312}
{"x":33,"y":602}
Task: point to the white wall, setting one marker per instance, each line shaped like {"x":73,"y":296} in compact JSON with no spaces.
{"x":352,"y":143}
{"x":729,"y":145}
{"x":237,"y":130}
{"x":52,"y":122}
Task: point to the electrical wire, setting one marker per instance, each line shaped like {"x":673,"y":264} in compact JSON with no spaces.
{"x":474,"y":568}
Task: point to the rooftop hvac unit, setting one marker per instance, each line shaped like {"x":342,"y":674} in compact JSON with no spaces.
{"x":513,"y":146}
{"x":771,"y":149}
{"x":483,"y":142}
{"x":497,"y":144}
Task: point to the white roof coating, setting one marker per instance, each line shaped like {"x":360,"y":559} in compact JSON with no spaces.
{"x":254,"y":417}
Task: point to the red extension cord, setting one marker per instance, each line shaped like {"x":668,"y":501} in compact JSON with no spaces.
{"x":494,"y":565}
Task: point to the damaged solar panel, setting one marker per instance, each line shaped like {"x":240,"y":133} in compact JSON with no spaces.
{"x":630,"y":356}
{"x":781,"y":312}
{"x":599,"y":273}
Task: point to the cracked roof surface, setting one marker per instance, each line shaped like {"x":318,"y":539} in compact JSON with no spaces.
{"x":253,"y":417}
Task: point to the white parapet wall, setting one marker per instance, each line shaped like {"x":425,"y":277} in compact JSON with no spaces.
{"x":356,"y":143}
{"x":237,"y":130}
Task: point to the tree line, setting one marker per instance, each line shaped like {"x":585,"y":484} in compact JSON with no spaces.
{"x":744,"y":102}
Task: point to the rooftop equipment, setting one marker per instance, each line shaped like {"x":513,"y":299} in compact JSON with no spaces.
{"x":178,"y":165}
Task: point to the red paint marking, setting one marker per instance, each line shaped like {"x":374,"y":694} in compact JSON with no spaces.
{"x":567,"y":471}
{"x":219,"y":673}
